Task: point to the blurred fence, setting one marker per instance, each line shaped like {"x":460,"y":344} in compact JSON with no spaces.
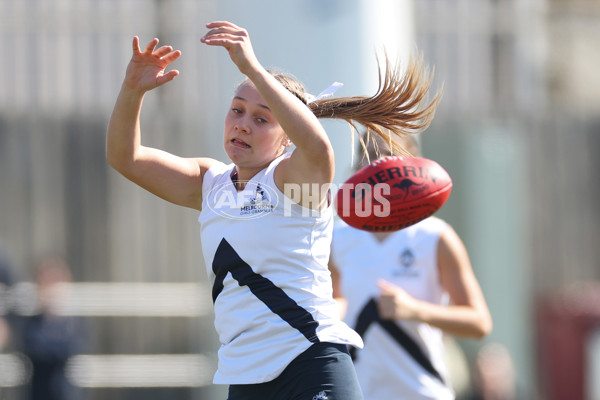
{"x":136,"y":260}
{"x":116,"y":300}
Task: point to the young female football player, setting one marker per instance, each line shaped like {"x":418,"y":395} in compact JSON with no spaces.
{"x":281,"y":336}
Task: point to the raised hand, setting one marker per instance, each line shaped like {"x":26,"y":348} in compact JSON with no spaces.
{"x":146,"y":70}
{"x":235,"y":40}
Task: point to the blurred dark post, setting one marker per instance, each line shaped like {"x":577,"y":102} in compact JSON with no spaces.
{"x":565,"y":322}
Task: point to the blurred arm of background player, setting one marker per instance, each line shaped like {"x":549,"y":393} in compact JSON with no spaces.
{"x":466,"y":316}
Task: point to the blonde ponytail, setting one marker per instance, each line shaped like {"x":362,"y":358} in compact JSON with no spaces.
{"x":399,"y":108}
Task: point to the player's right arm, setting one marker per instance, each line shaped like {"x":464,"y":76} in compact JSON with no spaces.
{"x":173,"y":178}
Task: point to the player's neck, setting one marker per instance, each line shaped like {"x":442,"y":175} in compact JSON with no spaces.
{"x":381,"y":236}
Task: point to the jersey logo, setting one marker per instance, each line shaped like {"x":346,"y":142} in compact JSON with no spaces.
{"x":320,"y":396}
{"x":407,"y":258}
{"x":259,"y":204}
{"x":407,"y":266}
{"x":250,"y":203}
{"x":227,"y":260}
{"x":370,"y":315}
{"x":260,"y":196}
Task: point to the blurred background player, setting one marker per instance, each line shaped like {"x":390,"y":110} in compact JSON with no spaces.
{"x":494,"y":374}
{"x":7,"y":317}
{"x":402,"y":291}
{"x":51,"y":338}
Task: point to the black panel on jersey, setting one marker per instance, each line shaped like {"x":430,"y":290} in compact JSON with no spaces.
{"x":370,"y":315}
{"x":227,"y":260}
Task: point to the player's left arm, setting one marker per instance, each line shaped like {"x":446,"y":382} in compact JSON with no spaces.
{"x":471,"y":314}
{"x":467,"y":316}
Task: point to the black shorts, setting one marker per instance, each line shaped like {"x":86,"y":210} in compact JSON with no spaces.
{"x":323,"y":372}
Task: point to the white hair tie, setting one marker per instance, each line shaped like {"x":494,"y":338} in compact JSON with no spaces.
{"x":325,"y":93}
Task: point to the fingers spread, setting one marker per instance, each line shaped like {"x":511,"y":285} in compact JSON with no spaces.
{"x":162,"y":79}
{"x":136,"y":45}
{"x":150,"y":46}
{"x":172,"y":56}
{"x":223,"y":30}
{"x":163,"y":51}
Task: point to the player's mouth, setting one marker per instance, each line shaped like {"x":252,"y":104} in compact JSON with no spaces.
{"x":240,"y":143}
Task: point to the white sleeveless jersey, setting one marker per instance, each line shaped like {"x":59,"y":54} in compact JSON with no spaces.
{"x":266,"y":258}
{"x":401,"y":359}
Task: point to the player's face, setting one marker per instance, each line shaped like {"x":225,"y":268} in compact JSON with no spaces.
{"x":253,"y":137}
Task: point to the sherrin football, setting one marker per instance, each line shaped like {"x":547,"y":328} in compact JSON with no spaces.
{"x":393,"y":193}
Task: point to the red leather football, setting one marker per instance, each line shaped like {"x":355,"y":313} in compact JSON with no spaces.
{"x":392,"y":193}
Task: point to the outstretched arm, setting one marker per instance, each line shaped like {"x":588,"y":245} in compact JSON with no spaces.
{"x":175,"y":179}
{"x":312,"y":160}
{"x":467,"y":316}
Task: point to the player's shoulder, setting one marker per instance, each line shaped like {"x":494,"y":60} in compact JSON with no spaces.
{"x":214,"y":173}
{"x":217,"y":168}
